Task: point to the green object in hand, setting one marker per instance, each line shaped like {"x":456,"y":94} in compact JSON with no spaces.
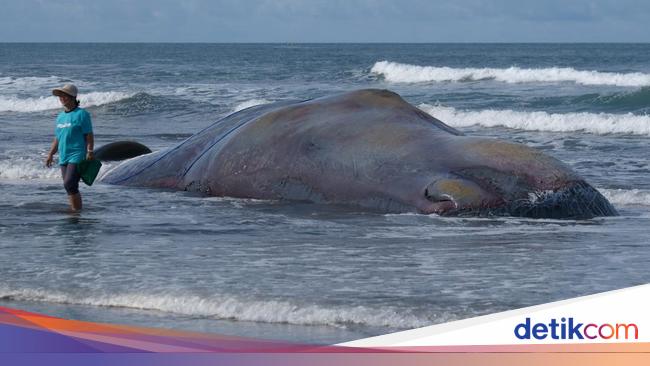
{"x":88,"y":169}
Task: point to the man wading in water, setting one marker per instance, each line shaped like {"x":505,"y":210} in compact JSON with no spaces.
{"x":73,"y":139}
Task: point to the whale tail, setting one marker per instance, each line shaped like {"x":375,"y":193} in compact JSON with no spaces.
{"x":121,"y":150}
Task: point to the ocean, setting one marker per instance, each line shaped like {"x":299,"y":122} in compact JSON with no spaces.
{"x":305,"y":272}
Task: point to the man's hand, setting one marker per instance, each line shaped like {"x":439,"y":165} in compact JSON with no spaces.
{"x":90,"y":155}
{"x":48,"y":161}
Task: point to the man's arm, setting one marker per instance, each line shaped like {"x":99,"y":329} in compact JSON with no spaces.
{"x":90,"y":146}
{"x":53,"y":150}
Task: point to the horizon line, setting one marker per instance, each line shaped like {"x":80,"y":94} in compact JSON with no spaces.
{"x":318,"y":42}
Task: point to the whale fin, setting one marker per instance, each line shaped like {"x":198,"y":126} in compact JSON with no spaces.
{"x":121,"y":150}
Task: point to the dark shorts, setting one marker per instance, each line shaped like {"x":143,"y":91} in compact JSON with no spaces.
{"x":71,"y":178}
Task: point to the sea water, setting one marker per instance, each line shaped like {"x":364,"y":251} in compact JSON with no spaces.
{"x":304,"y":272}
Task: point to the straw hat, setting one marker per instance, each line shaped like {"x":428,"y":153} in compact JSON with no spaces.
{"x":68,"y":89}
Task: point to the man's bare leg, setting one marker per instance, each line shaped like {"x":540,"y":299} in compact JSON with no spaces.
{"x":75,"y":201}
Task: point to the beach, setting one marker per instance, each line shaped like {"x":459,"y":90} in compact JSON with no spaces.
{"x":305,"y":272}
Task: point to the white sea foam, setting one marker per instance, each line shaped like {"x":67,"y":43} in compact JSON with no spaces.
{"x":250,"y":103}
{"x":27,"y":169}
{"x":14,"y":104}
{"x":233,"y":308}
{"x":632,"y":197}
{"x":597,"y":123}
{"x":405,"y":73}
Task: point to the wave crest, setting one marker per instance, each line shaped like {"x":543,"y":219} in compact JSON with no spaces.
{"x":250,"y":103}
{"x":27,"y":169}
{"x":14,"y":104}
{"x":405,"y":73}
{"x":596,"y":123}
{"x":233,"y":308}
{"x":633,"y":197}
{"x":638,"y":99}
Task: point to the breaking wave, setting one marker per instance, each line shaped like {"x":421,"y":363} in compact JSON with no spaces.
{"x":405,"y":73}
{"x":634,"y":197}
{"x":234,"y":308}
{"x":28,"y":169}
{"x":14,"y":104}
{"x":596,"y":123}
{"x":250,"y":103}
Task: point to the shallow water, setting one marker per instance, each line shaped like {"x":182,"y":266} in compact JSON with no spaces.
{"x":310,"y":272}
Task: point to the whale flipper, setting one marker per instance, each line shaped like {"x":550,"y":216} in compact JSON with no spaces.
{"x":121,"y":150}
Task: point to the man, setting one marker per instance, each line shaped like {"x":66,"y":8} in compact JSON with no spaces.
{"x":73,"y":139}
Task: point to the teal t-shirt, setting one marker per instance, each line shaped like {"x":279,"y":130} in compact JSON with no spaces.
{"x":70,"y":130}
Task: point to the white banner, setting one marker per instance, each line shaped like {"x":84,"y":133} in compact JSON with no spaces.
{"x":610,"y":317}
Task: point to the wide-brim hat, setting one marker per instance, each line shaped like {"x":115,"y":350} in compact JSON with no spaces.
{"x":68,"y":89}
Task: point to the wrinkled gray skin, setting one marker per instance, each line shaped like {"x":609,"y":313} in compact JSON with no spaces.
{"x":369,"y":149}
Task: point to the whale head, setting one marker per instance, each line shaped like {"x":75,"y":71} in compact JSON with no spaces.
{"x":493,"y":177}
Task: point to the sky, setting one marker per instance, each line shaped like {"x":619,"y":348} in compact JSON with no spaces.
{"x":324,"y":21}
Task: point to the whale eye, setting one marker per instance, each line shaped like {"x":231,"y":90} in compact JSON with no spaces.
{"x":456,"y":191}
{"x":441,"y":201}
{"x":435,"y":196}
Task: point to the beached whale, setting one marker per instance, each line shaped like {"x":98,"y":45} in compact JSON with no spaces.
{"x":368,"y":149}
